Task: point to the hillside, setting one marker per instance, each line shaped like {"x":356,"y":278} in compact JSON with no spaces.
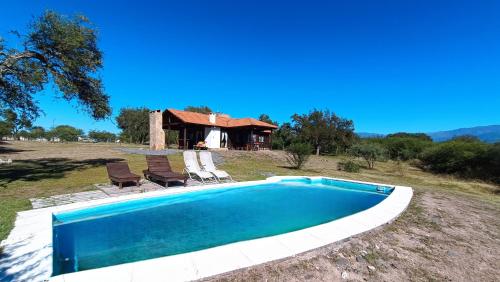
{"x":489,"y":133}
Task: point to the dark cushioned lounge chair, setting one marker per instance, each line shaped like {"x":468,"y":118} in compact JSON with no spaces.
{"x":120,"y":173}
{"x":159,"y":169}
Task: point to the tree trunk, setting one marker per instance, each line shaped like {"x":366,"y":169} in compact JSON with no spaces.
{"x":317,"y":150}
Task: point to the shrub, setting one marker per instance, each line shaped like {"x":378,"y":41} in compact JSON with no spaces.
{"x":370,"y":152}
{"x":456,"y":157}
{"x":277,"y":144}
{"x":405,"y":148}
{"x":491,"y":163}
{"x":297,"y":154}
{"x":349,"y":166}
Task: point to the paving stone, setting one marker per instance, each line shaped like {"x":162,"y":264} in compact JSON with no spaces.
{"x":104,"y":191}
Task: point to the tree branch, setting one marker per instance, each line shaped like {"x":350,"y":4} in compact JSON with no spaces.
{"x":10,"y":60}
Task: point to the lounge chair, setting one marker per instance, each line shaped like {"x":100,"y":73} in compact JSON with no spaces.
{"x":8,"y":161}
{"x":120,"y":173}
{"x":159,"y":169}
{"x":193,"y":168}
{"x":208,"y":165}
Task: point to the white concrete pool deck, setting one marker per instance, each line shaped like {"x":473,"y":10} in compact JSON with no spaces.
{"x":27,"y":252}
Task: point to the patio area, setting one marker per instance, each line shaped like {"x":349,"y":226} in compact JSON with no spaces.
{"x":103,"y":191}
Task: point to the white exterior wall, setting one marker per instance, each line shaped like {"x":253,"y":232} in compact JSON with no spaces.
{"x":212,"y":137}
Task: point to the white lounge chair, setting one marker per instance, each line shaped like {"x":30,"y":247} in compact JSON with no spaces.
{"x":8,"y":161}
{"x":193,"y":168}
{"x":208,"y":165}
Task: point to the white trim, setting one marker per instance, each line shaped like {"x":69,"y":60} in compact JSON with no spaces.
{"x":32,"y":234}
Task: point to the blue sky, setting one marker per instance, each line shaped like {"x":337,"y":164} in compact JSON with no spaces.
{"x":414,"y":66}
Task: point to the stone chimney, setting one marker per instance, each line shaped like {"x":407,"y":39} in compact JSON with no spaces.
{"x":156,"y":133}
{"x":212,"y":118}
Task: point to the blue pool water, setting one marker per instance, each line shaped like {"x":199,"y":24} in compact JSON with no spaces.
{"x":168,"y":225}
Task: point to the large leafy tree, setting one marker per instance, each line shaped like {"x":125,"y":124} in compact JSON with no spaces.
{"x":57,"y":50}
{"x":5,"y":129}
{"x":38,"y":132}
{"x":284,"y":136}
{"x":198,"y":109}
{"x":134,"y":123}
{"x":102,"y":136}
{"x":16,"y":122}
{"x":324,"y":130}
{"x":66,"y":133}
{"x":266,"y":118}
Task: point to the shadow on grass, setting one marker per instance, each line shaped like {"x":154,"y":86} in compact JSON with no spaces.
{"x":49,"y":168}
{"x":303,"y":169}
{"x":288,"y":167}
{"x":4,"y":149}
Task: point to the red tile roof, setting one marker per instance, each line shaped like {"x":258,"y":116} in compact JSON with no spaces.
{"x":221,"y":121}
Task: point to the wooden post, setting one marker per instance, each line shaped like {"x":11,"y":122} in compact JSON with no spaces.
{"x":251,"y":139}
{"x":185,"y":136}
{"x":271,"y":140}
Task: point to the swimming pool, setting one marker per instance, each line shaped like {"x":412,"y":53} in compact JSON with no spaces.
{"x":168,"y":225}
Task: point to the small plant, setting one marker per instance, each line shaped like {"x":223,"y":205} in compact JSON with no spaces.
{"x":297,"y":154}
{"x":349,"y":166}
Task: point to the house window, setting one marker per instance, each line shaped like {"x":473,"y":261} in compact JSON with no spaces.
{"x":261,"y":139}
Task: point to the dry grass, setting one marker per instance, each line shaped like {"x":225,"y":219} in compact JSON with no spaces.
{"x":42,"y":169}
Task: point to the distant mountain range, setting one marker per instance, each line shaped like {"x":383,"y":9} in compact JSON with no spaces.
{"x":489,"y":133}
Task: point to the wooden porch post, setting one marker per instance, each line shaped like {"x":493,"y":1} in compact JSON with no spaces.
{"x":185,"y":136}
{"x":271,"y":140}
{"x":251,"y":139}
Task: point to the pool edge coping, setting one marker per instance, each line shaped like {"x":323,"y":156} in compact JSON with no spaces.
{"x":216,"y":260}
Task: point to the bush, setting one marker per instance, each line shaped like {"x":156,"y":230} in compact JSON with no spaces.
{"x":349,"y":166}
{"x":277,"y":144}
{"x":464,"y":158}
{"x":405,"y":148}
{"x":297,"y":154}
{"x":490,"y":161}
{"x":370,"y":152}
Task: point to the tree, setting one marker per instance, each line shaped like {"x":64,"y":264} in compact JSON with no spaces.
{"x":58,"y":51}
{"x":37,"y":132}
{"x":420,"y":136}
{"x":297,"y":154}
{"x":102,"y":136}
{"x":66,"y":133}
{"x":324,"y":130}
{"x":172,"y":137}
{"x":370,"y":152}
{"x":134,"y":123}
{"x":16,"y":122}
{"x":265,"y":118}
{"x":24,"y":134}
{"x":283,"y":136}
{"x":198,"y":109}
{"x":405,"y":148}
{"x":5,"y":129}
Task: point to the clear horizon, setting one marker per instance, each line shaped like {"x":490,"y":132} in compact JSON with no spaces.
{"x":390,"y":66}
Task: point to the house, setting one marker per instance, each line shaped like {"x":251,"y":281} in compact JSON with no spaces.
{"x":216,"y":130}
